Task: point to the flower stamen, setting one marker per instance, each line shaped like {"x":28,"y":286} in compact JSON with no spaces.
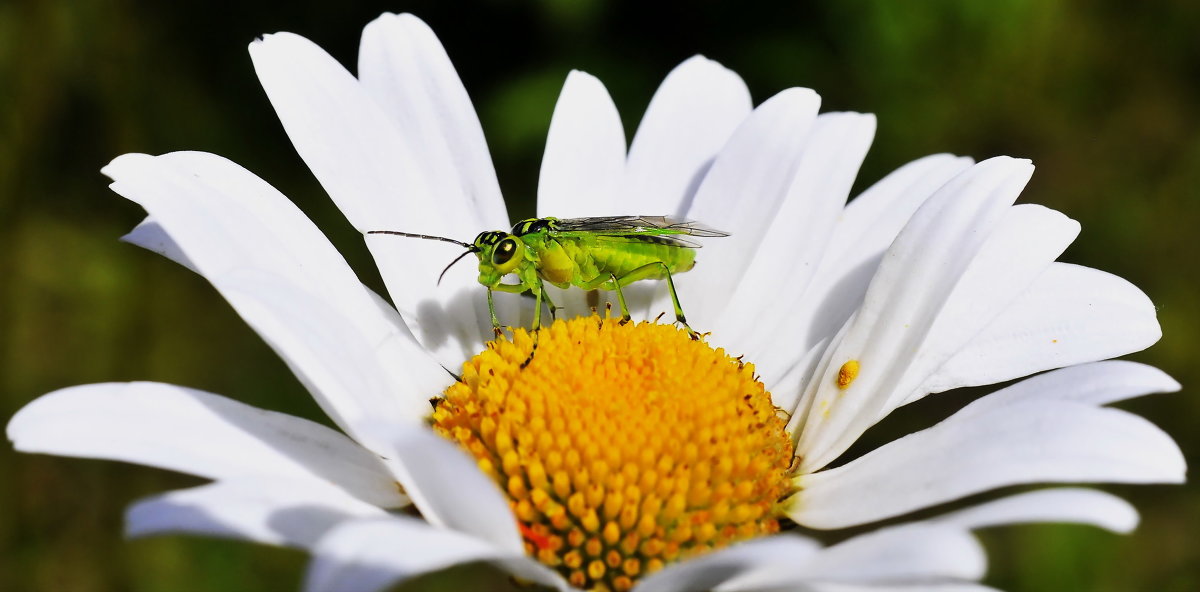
{"x":622,"y":447}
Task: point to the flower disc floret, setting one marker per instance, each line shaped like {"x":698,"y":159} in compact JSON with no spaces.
{"x":621,"y":447}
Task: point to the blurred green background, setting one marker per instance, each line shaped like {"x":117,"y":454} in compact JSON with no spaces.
{"x":1103,"y":96}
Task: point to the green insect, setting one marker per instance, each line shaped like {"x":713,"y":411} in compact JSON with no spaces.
{"x":602,"y":253}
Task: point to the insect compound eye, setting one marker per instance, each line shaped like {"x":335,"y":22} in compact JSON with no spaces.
{"x":504,"y":251}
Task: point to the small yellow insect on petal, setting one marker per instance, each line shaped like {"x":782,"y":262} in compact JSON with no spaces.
{"x":847,"y":374}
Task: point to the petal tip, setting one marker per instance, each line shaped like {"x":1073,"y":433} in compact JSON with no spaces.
{"x":701,"y":61}
{"x":580,"y":76}
{"x":117,"y":166}
{"x":281,"y":41}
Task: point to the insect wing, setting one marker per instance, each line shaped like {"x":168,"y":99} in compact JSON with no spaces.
{"x":638,"y":225}
{"x":668,"y":229}
{"x":663,"y":239}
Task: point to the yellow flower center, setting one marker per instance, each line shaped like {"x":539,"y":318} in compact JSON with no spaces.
{"x":621,"y":447}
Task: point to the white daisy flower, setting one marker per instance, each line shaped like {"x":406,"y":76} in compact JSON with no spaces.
{"x":626,"y":455}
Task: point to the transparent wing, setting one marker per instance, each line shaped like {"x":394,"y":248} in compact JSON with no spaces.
{"x":636,"y":226}
{"x":603,"y":237}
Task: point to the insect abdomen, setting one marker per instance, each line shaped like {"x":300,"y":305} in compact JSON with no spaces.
{"x":597,"y":257}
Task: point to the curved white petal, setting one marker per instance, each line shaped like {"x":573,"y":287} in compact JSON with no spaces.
{"x":376,"y":174}
{"x":1022,"y":442}
{"x":353,"y":146}
{"x":371,"y":555}
{"x":918,"y":587}
{"x":354,"y":379}
{"x":150,"y":235}
{"x":1069,"y":315}
{"x":802,"y":395}
{"x":874,"y":218}
{"x":919,"y":274}
{"x":404,"y":67}
{"x":867,"y":226}
{"x":712,"y":571}
{"x":273,"y":511}
{"x":907,"y":553}
{"x":795,"y":241}
{"x":446,"y":485}
{"x":583,"y":168}
{"x":195,"y":432}
{"x":584,"y":162}
{"x":690,"y":118}
{"x":1027,"y":240}
{"x":1063,"y":504}
{"x":740,"y":194}
{"x":228,"y":223}
{"x":1098,"y":383}
{"x":902,"y":555}
{"x":786,"y":390}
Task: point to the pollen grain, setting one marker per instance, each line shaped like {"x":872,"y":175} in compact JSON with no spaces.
{"x":847,"y":373}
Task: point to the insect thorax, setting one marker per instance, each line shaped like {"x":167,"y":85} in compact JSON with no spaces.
{"x":533,"y":226}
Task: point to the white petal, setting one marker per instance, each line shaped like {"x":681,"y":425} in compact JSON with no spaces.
{"x":191,"y":431}
{"x":1027,"y":240}
{"x":744,"y":560}
{"x":1023,"y":442}
{"x":803,"y":401}
{"x":376,"y":175}
{"x":874,"y":218}
{"x":1064,"y":504}
{"x":240,"y":233}
{"x":1098,"y":383}
{"x":795,"y":241}
{"x":446,"y":485}
{"x":785,"y":391}
{"x":404,"y":67}
{"x":900,"y":555}
{"x":1069,"y":315}
{"x":918,"y":587}
{"x":746,"y":185}
{"x":690,"y":118}
{"x":584,"y":162}
{"x":354,"y":379}
{"x":583,"y":167}
{"x":264,"y":510}
{"x":906,"y":553}
{"x":370,"y":555}
{"x":867,"y":226}
{"x":917,"y":277}
{"x":151,"y":236}
{"x":355,"y":148}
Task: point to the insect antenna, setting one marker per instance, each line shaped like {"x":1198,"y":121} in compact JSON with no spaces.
{"x":470,"y":249}
{"x":424,"y":236}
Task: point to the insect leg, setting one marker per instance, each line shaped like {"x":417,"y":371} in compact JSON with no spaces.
{"x":679,"y":318}
{"x":501,"y":287}
{"x":616,"y":282}
{"x":593,"y":300}
{"x":492,"y":311}
{"x":550,"y":305}
{"x":649,"y":270}
{"x":539,"y":292}
{"x":538,"y":295}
